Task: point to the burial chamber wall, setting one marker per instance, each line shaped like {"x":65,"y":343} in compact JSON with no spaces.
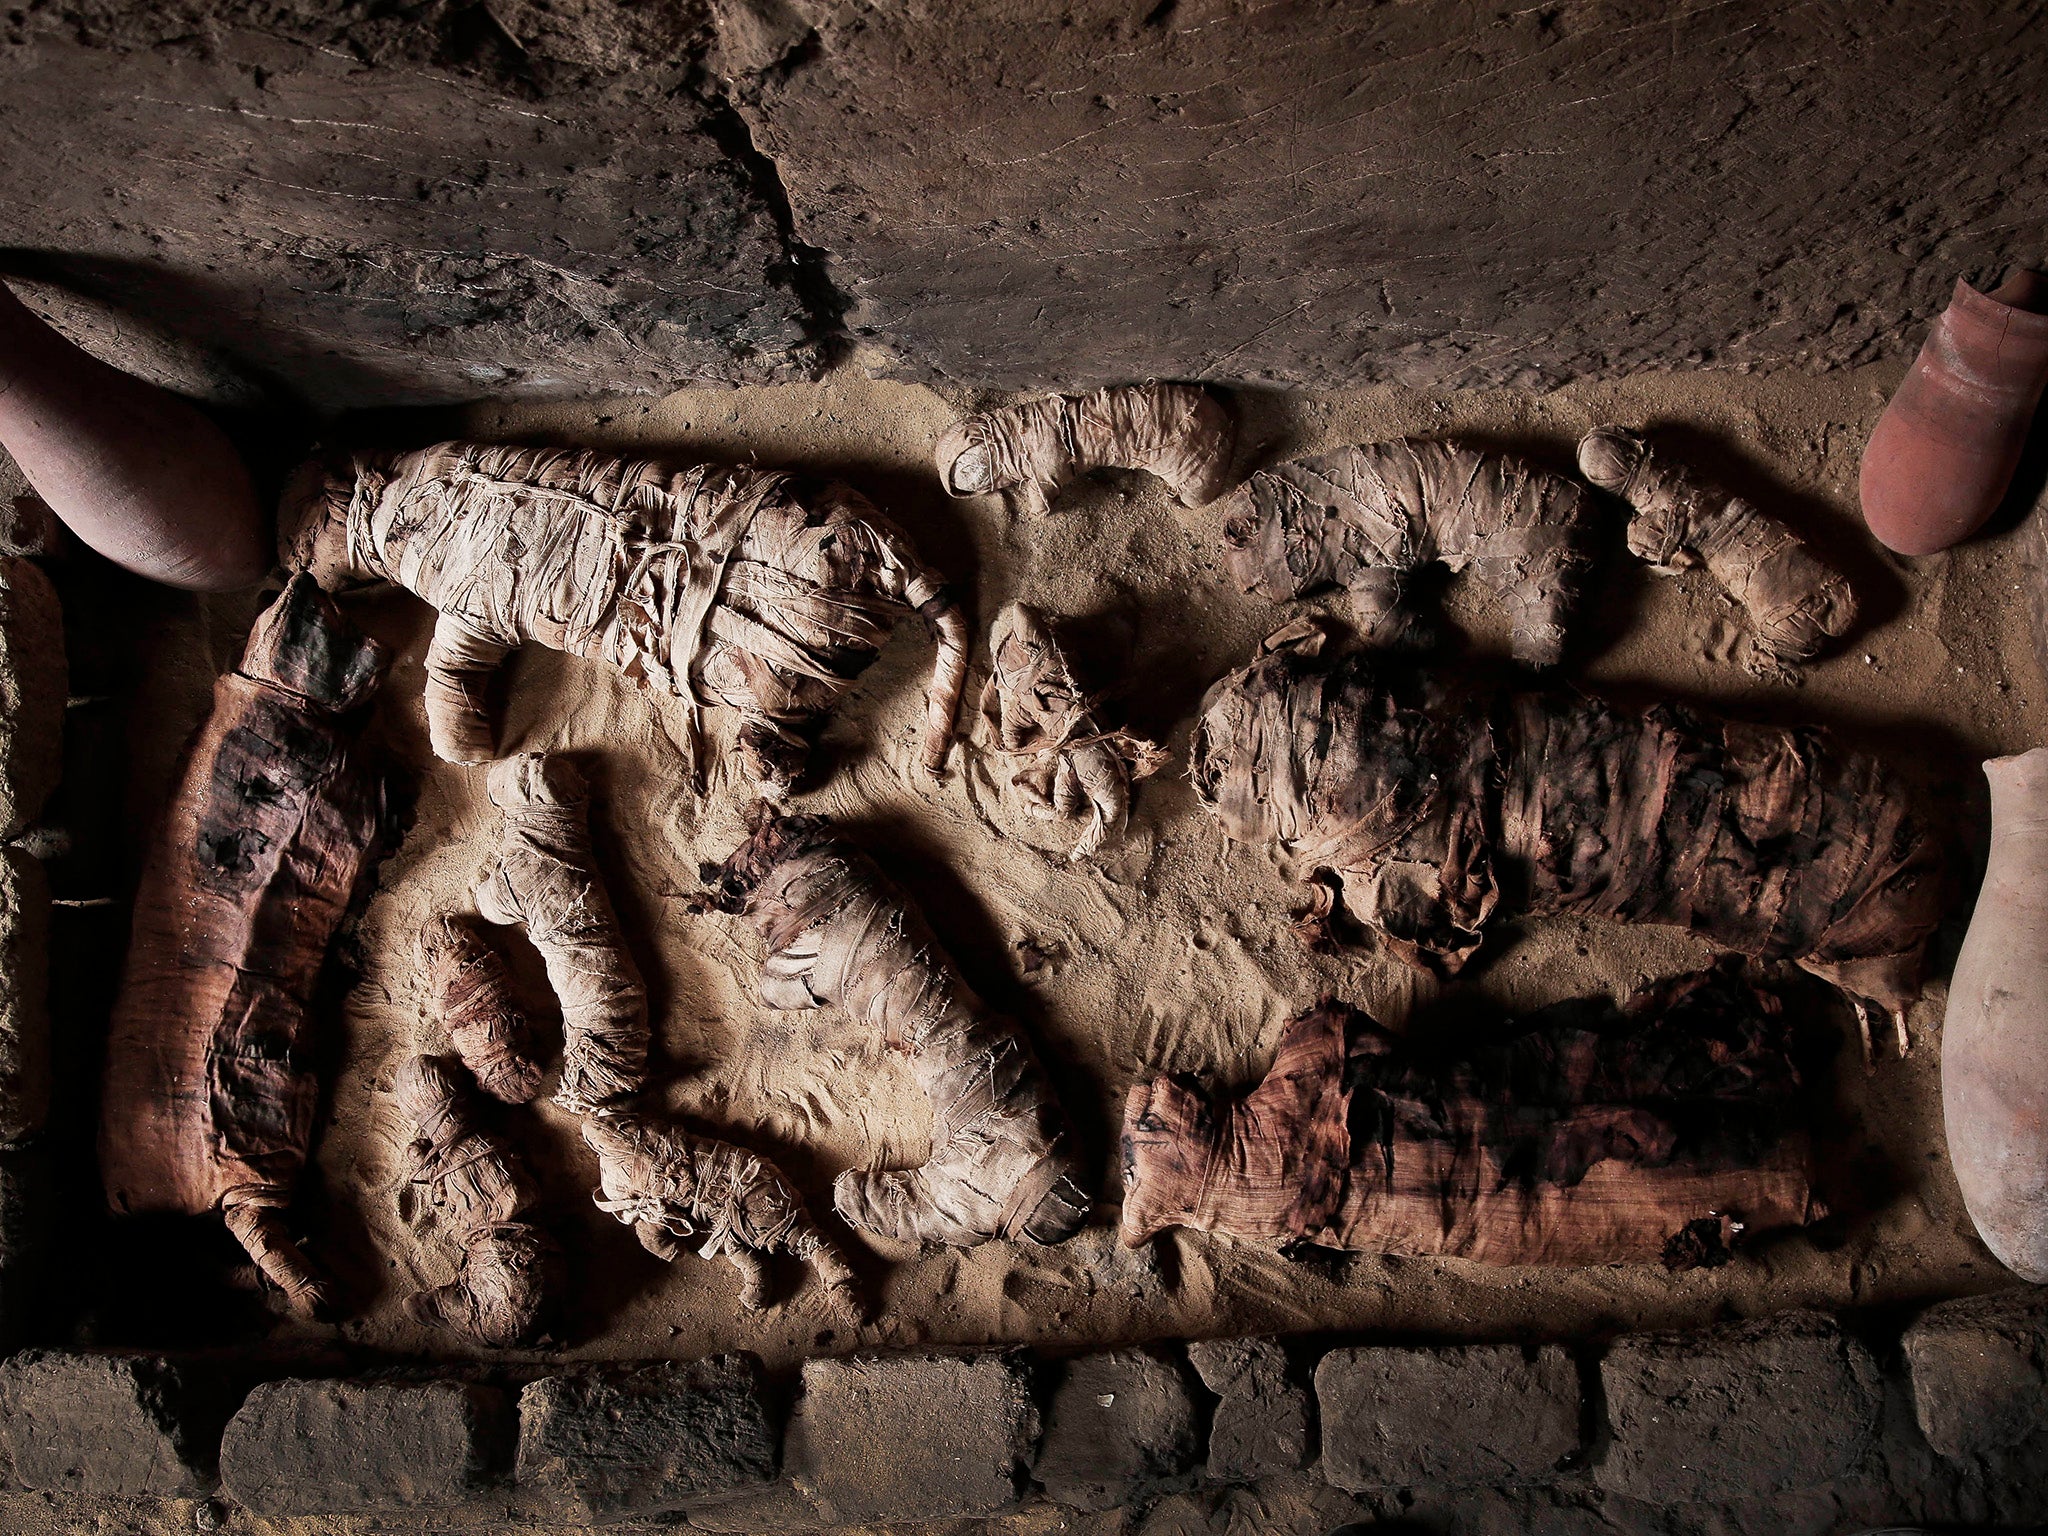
{"x":370,"y":205}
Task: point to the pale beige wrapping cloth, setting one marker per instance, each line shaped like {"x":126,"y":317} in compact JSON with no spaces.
{"x":751,"y":588}
{"x":1179,"y":432}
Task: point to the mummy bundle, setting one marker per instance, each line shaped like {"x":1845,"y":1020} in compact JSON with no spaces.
{"x":744,"y":587}
{"x":1795,"y":605}
{"x":209,"y":1094}
{"x":1588,"y":1135}
{"x":1179,"y":432}
{"x":1055,"y":757}
{"x":1002,"y":1162}
{"x":668,"y":1184}
{"x":1364,"y":518}
{"x":545,"y":878}
{"x":479,"y":1193}
{"x":471,"y":994}
{"x":1424,"y":814}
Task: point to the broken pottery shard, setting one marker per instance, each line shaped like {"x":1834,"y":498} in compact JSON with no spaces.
{"x":1794,"y":603}
{"x":668,"y":1184}
{"x":759,"y":590}
{"x":1053,"y":754}
{"x":1179,"y":432}
{"x":1002,"y":1161}
{"x":1655,"y":1132}
{"x":1424,"y":811}
{"x":1365,"y":518}
{"x":209,"y":1094}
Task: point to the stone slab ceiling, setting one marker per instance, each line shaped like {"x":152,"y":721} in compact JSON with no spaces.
{"x":372,"y":203}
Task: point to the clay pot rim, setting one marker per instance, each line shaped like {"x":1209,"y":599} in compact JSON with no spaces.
{"x":1982,"y":308}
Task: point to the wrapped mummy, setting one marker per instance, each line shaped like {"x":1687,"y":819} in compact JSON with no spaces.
{"x":1589,"y":1134}
{"x":472,"y":997}
{"x":1425,"y":813}
{"x":838,"y":932}
{"x":272,"y":830}
{"x":481,"y":1194}
{"x":720,"y":584}
{"x":545,"y":878}
{"x":1059,"y":760}
{"x":1796,"y":605}
{"x":1179,"y":432}
{"x":1364,"y":518}
{"x":668,"y":1184}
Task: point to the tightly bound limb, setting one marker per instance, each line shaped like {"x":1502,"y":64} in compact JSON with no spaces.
{"x":1179,"y":432}
{"x":718,"y":584}
{"x":1586,"y":1135}
{"x":545,"y":877}
{"x":667,"y":1184}
{"x":472,"y":992}
{"x":1061,"y":762}
{"x":480,"y":1192}
{"x":1794,"y":603}
{"x":1002,"y":1163}
{"x":271,"y":832}
{"x":1425,"y":812}
{"x":1363,"y":518}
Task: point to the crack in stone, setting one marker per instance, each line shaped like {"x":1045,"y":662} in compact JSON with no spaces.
{"x":804,"y":266}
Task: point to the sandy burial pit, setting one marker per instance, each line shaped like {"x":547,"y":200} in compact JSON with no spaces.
{"x":1172,"y":953}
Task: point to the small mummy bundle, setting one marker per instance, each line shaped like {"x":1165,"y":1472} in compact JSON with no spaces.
{"x":545,"y":877}
{"x":1795,"y":604}
{"x":1363,"y":518}
{"x":1179,"y":432}
{"x":472,"y":995}
{"x":667,"y":1184}
{"x":838,"y":931}
{"x":479,"y":1191}
{"x":1065,"y":762}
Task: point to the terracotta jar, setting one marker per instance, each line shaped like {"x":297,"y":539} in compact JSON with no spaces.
{"x":1943,"y":454}
{"x":1994,"y":1061}
{"x":134,"y":471}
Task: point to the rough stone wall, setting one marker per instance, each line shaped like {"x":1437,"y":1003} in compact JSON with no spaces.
{"x":381,"y":203}
{"x":1788,"y":1426}
{"x":1448,"y":192}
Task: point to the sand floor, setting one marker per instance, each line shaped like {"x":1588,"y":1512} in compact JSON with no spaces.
{"x":1173,"y":952}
